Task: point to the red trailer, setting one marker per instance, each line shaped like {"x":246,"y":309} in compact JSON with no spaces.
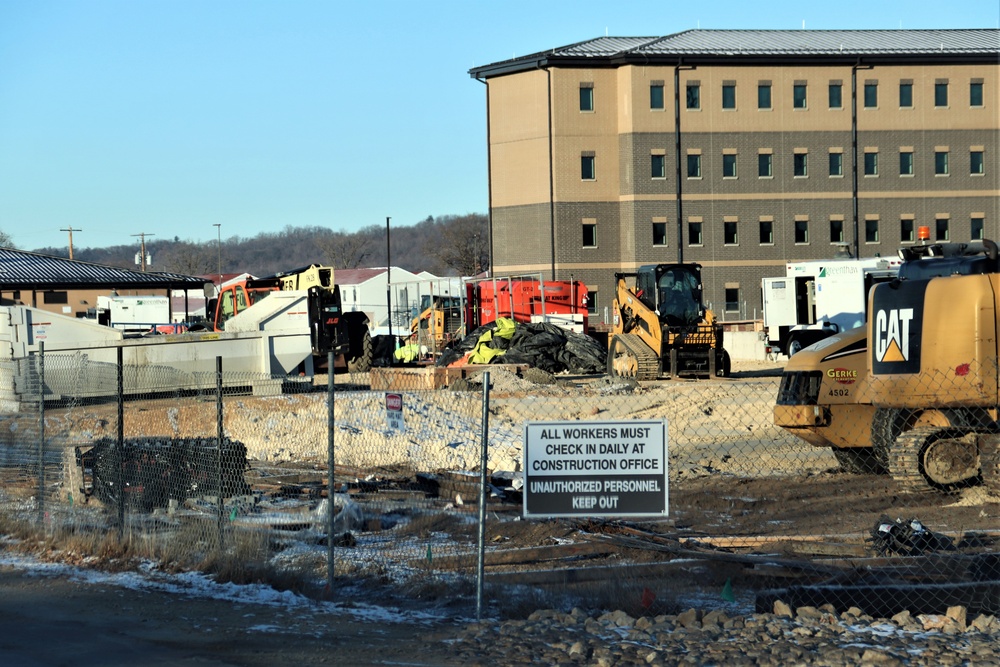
{"x":559,"y":302}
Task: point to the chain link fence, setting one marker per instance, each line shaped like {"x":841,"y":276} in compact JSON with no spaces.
{"x":376,"y":477}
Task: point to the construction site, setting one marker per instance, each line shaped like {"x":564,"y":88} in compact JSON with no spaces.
{"x":538,"y":461}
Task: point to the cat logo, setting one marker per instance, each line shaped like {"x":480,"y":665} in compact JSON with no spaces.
{"x":896,"y":327}
{"x":892,"y":335}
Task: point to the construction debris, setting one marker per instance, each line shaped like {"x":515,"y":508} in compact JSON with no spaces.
{"x":906,"y":538}
{"x":543,"y":346}
{"x":147,"y":473}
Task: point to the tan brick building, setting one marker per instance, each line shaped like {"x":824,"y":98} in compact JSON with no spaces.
{"x":740,"y":150}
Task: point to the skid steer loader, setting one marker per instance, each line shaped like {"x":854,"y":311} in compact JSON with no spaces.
{"x":661,"y":327}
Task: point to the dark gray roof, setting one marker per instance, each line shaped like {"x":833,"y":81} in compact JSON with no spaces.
{"x":756,"y":46}
{"x":23,"y":270}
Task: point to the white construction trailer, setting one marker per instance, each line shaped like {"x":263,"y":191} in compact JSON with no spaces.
{"x":818,"y":298}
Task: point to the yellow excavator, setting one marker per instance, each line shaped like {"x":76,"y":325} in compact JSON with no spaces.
{"x":660,"y":326}
{"x":914,"y":393}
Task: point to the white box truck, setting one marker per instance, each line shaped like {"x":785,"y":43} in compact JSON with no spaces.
{"x":818,"y":298}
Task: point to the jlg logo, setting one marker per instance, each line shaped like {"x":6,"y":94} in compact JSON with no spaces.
{"x":892,"y":335}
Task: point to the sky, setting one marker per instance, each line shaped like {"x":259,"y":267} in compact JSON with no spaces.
{"x":165,"y":118}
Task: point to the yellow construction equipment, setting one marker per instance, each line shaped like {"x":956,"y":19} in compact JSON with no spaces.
{"x":661,"y":327}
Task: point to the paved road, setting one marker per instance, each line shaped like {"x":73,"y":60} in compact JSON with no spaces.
{"x":48,"y":621}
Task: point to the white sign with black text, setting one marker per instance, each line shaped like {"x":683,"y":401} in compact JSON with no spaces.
{"x":585,"y":468}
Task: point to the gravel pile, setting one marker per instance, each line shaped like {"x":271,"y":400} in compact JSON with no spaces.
{"x":805,"y":636}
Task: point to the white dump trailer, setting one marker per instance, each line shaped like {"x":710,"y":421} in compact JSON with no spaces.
{"x":260,"y":345}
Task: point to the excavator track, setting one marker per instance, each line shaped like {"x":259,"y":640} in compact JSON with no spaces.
{"x":929,"y":459}
{"x":629,"y":357}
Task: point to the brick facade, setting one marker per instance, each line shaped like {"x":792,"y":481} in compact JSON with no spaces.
{"x":539,"y":136}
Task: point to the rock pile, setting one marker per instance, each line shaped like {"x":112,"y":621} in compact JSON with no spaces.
{"x":804,"y":636}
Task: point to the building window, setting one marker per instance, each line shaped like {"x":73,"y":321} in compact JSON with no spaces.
{"x":586,"y":97}
{"x":976,"y":162}
{"x":871,"y":163}
{"x":693,"y":96}
{"x":694,"y":166}
{"x":764,"y":96}
{"x":764,"y":165}
{"x":941,"y":229}
{"x":940,"y":94}
{"x":660,"y":233}
{"x":592,"y":303}
{"x":658,"y":166}
{"x":55,"y":297}
{"x":589,"y":234}
{"x":906,"y":163}
{"x":977,"y":228}
{"x":728,"y":96}
{"x":836,"y":96}
{"x":799,"y":96}
{"x":732,"y":299}
{"x":836,"y":231}
{"x":730,"y":236}
{"x":800,"y":165}
{"x":656,"y":96}
{"x":906,"y":95}
{"x":729,"y":165}
{"x":941,"y":163}
{"x":975,"y":94}
{"x":836,"y":164}
{"x":766,"y":228}
{"x":906,"y":231}
{"x":871,"y":95}
{"x":694,"y":233}
{"x":588,"y":170}
{"x":802,"y":231}
{"x":871,"y":231}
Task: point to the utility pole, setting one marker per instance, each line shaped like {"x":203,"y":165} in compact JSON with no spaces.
{"x":70,"y":230}
{"x":142,"y":245}
{"x":218,"y":228}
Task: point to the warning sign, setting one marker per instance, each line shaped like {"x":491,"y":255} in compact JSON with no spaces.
{"x":595,"y":468}
{"x":394,"y":412}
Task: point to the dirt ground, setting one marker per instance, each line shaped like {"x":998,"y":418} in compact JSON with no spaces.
{"x":729,"y":491}
{"x":732,"y":472}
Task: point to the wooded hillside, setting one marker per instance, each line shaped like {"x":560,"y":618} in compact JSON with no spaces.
{"x":449,"y":245}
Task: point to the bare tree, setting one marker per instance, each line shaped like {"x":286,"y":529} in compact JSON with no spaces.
{"x":345,"y":250}
{"x":463,"y":244}
{"x":189,"y":259}
{"x":6,"y":241}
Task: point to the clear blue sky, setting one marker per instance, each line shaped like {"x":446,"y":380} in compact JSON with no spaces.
{"x":165,"y":117}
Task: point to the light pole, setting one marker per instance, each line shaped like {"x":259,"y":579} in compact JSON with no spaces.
{"x":218,"y":229}
{"x":388,"y":275}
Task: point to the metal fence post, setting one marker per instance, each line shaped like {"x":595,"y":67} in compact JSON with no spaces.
{"x":330,"y":484}
{"x":483,"y":485}
{"x":220,"y":506}
{"x":41,"y":433}
{"x":120,"y":445}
